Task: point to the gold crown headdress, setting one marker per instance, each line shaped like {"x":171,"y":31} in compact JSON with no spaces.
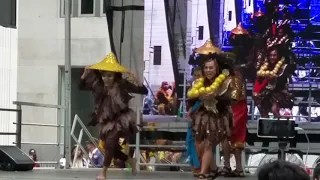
{"x":259,"y":13}
{"x":239,"y":30}
{"x":208,"y":48}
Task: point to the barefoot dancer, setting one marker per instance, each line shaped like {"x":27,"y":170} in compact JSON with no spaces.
{"x":112,"y":112}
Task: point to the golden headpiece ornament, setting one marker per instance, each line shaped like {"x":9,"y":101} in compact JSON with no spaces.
{"x":239,"y":30}
{"x":259,"y":13}
{"x":207,"y":48}
{"x":109,"y":63}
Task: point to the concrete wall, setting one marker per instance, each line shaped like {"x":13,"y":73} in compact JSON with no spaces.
{"x":155,"y":34}
{"x":41,"y":51}
{"x":199,"y":18}
{"x":229,"y":7}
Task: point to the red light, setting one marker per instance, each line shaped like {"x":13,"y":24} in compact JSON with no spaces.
{"x":309,"y":170}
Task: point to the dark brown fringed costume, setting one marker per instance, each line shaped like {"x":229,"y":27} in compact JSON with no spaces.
{"x":271,"y":89}
{"x":271,"y":85}
{"x":112,"y":111}
{"x":213,"y":121}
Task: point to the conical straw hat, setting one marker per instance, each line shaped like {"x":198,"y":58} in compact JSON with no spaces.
{"x":207,"y":48}
{"x":109,"y":63}
{"x":239,"y":30}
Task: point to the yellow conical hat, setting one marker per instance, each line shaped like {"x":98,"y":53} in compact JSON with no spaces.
{"x":207,"y":48}
{"x":109,"y":63}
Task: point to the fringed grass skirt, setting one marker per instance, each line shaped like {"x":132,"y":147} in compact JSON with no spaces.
{"x":212,"y":127}
{"x":122,"y":126}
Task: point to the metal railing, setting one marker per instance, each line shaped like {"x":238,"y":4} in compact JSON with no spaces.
{"x":138,"y":146}
{"x":18,"y":129}
{"x":78,"y":140}
{"x":59,"y":126}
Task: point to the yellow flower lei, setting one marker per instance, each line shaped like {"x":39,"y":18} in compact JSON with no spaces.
{"x":198,"y":88}
{"x":263,"y":72}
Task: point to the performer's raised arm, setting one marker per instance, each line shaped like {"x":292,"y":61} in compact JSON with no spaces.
{"x":137,"y":88}
{"x":90,"y":80}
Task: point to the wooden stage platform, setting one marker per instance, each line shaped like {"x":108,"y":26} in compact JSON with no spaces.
{"x":89,"y":174}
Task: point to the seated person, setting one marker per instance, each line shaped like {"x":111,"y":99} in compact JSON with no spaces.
{"x":33,"y":156}
{"x":316,"y":173}
{"x":164,"y":98}
{"x":95,"y":155}
{"x":78,"y":160}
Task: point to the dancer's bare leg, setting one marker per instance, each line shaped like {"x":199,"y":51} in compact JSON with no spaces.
{"x":226,"y":170}
{"x":226,"y":153}
{"x":237,"y":155}
{"x":133,"y":164}
{"x":103,"y":174}
{"x":109,"y":151}
{"x":275,"y":110}
{"x":200,"y":150}
{"x":206,"y":158}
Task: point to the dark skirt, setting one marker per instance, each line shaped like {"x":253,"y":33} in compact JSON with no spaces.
{"x":267,"y":98}
{"x":212,"y":127}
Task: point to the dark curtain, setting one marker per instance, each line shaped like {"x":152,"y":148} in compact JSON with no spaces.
{"x":118,"y":14}
{"x":213,"y":11}
{"x":8,"y":10}
{"x":238,"y":8}
{"x":176,"y":18}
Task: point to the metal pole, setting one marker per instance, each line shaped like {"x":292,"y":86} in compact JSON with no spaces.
{"x":67,"y":71}
{"x":19,"y":126}
{"x":185,"y":63}
{"x":138,"y":140}
{"x":310,"y":99}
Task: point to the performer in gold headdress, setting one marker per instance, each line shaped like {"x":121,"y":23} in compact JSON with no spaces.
{"x":239,"y":39}
{"x":112,"y":113}
{"x":207,"y":49}
{"x":212,"y":120}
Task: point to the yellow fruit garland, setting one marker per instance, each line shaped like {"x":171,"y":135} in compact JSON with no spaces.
{"x":263,"y":72}
{"x":198,"y":88}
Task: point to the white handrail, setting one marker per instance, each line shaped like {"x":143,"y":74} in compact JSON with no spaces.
{"x":84,"y":128}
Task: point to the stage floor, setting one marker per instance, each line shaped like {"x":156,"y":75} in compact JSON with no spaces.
{"x":89,"y":174}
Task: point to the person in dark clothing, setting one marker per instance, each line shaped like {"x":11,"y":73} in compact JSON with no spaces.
{"x":282,"y":170}
{"x":316,"y":172}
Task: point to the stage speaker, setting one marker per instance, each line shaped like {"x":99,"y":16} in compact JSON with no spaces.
{"x":13,"y":159}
